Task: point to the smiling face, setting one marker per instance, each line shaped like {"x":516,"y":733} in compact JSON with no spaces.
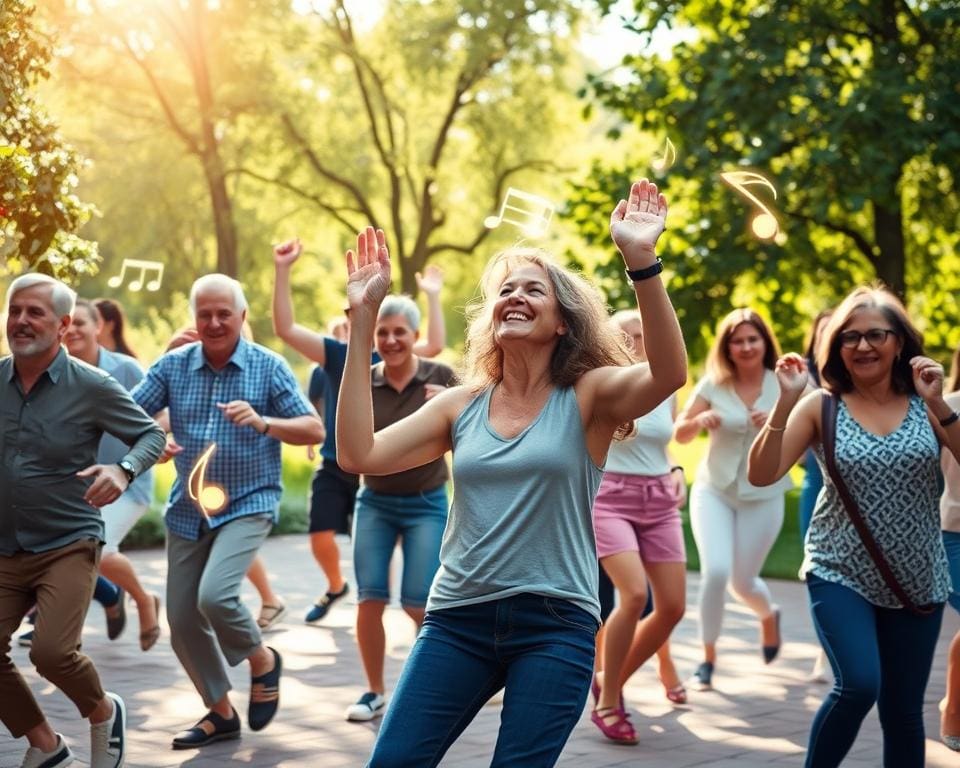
{"x":219,"y":322}
{"x":81,"y":338}
{"x":868,"y":363}
{"x":394,"y":340}
{"x":33,"y":328}
{"x":526,"y":307}
{"x":746,"y":347}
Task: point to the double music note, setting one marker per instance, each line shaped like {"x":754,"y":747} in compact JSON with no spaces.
{"x":764,"y":224}
{"x":211,"y":498}
{"x":137,"y":283}
{"x":529,"y":212}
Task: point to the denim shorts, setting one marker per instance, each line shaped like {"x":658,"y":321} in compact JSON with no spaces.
{"x":417,"y":523}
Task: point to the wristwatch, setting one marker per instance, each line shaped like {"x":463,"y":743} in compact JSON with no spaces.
{"x":128,"y":470}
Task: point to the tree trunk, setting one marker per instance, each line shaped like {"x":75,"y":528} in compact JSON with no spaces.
{"x":222,"y":209}
{"x":891,"y":257}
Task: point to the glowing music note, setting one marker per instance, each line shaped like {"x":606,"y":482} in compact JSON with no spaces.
{"x":765,"y":224}
{"x":529,"y":212}
{"x":668,"y":159}
{"x":210,"y":498}
{"x":137,"y":283}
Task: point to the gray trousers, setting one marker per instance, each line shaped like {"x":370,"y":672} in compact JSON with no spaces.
{"x":207,"y":619}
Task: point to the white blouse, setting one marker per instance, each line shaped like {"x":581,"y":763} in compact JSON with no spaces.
{"x":725,"y":465}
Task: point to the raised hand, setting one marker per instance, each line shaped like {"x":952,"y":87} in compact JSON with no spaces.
{"x":927,"y":377}
{"x":368,"y":270}
{"x":792,"y":375}
{"x":636,"y":223}
{"x":286,"y":253}
{"x":431,"y":281}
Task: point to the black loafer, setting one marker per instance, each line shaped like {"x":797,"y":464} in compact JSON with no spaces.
{"x":265,"y":695}
{"x":223,"y":730}
{"x":770,"y":652}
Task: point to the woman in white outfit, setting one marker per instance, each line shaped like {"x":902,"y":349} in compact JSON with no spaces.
{"x":734,"y":523}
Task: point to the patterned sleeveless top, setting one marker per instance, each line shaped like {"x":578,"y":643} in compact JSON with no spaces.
{"x":894,"y":481}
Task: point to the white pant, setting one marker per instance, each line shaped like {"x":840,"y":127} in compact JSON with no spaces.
{"x":733,"y":537}
{"x":118,"y":518}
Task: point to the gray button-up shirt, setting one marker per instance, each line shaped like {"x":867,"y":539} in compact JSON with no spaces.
{"x":49,"y":435}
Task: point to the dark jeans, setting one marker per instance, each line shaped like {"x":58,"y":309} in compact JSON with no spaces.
{"x":878,"y":655}
{"x":539,"y":649}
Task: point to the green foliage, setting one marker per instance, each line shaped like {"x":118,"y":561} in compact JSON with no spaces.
{"x":40,"y":214}
{"x":850,"y":106}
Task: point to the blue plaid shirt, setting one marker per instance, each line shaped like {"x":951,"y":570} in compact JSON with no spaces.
{"x":246,"y":464}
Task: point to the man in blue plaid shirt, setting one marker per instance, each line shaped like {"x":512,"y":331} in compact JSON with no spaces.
{"x":244,"y":398}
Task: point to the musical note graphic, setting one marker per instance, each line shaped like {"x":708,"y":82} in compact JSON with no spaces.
{"x":669,"y":157}
{"x":210,"y":498}
{"x":137,"y":283}
{"x":764,"y":224}
{"x":529,"y":212}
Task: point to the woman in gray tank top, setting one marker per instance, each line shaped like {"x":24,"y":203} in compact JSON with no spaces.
{"x":547,"y":386}
{"x":890,"y":422}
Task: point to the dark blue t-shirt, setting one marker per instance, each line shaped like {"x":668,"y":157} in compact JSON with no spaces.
{"x":336,"y":360}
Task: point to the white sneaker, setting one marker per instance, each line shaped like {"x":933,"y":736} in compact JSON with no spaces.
{"x":36,"y":758}
{"x":371,"y":705}
{"x":108,"y":739}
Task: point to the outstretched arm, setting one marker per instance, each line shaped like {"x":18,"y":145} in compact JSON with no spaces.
{"x":431,"y":283}
{"x":306,"y":342}
{"x":421,"y":437}
{"x":623,"y":394}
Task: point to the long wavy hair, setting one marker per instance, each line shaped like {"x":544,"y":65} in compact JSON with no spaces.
{"x":720,"y":366}
{"x":836,"y":378}
{"x":590,"y":341}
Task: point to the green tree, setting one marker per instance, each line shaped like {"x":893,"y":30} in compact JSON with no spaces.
{"x":40,"y":214}
{"x":851,"y":107}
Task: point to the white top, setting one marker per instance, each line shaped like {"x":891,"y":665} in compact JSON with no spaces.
{"x":950,"y":501}
{"x":645,"y":451}
{"x":725,"y":465}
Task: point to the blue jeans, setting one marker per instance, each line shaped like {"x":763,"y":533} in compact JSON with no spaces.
{"x":539,"y":649}
{"x":951,"y":542}
{"x":809,"y":489}
{"x":379,"y":521}
{"x":880,"y":655}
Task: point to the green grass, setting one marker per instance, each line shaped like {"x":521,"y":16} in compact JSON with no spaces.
{"x":783,"y":562}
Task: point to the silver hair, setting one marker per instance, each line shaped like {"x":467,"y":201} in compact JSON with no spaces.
{"x":217,"y":280}
{"x":62,"y":297}
{"x":401,"y":304}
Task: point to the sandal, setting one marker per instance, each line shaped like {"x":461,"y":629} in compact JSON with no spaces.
{"x":620,"y":731}
{"x":149,"y":637}
{"x":677,"y":694}
{"x":595,"y":690}
{"x":270,"y":615}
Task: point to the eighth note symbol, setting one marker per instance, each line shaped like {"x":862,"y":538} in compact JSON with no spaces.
{"x":765,"y":224}
{"x":669,"y":157}
{"x":210,"y":498}
{"x":137,"y":283}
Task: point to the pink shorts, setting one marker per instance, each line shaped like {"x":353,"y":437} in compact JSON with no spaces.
{"x":639,"y":513}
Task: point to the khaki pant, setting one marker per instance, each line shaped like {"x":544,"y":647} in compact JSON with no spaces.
{"x":60,"y":582}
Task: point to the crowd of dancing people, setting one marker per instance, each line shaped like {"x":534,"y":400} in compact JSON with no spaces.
{"x":550,"y":576}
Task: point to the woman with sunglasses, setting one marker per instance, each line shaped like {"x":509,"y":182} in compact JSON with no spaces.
{"x":879,"y":632}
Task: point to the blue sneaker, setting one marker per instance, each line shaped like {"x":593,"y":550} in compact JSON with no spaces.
{"x":322,"y":606}
{"x":370,"y":706}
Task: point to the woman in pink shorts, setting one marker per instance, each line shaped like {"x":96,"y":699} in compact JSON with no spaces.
{"x":639,"y":537}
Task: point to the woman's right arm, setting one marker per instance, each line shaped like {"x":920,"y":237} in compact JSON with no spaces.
{"x":695,"y":417}
{"x":411,"y":442}
{"x":790,"y":429}
{"x":306,"y":342}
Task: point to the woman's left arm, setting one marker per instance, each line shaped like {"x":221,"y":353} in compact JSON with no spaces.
{"x":928,"y":380}
{"x":623,"y":394}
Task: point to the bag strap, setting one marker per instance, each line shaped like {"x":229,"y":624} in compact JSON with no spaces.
{"x":828,"y":435}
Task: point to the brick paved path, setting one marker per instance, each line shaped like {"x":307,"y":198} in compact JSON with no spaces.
{"x":757,"y":716}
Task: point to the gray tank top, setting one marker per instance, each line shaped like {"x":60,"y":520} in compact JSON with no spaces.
{"x":521,"y":518}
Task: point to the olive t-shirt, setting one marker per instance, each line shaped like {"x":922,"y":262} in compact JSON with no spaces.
{"x":389,"y":406}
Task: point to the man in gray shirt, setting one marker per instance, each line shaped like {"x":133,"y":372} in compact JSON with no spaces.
{"x":53,"y":412}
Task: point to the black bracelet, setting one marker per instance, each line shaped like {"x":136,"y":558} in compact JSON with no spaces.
{"x":636,"y":275}
{"x":950,"y":419}
{"x":676,"y":467}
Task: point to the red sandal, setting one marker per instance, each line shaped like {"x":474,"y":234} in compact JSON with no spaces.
{"x":620,"y":730}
